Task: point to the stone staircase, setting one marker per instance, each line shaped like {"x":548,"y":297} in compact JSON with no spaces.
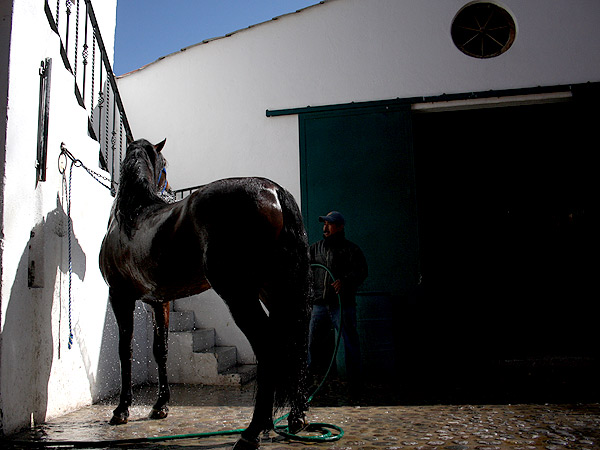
{"x":195,"y":359}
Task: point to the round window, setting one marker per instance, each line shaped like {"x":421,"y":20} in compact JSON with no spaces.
{"x":483,"y":30}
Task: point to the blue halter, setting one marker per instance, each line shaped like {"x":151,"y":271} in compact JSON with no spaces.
{"x":164,"y":169}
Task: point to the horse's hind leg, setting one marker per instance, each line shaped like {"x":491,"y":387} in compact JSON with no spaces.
{"x":254,"y":323}
{"x":160,"y":349}
{"x":123,"y":310}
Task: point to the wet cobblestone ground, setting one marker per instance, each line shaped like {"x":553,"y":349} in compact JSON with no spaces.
{"x":377,"y":420}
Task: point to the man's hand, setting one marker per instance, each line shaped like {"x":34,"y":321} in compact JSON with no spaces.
{"x":337,"y":285}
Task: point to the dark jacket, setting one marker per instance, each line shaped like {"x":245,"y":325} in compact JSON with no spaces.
{"x":347,"y":263}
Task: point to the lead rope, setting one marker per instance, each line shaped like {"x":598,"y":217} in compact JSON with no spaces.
{"x":69,"y":228}
{"x":65,"y":153}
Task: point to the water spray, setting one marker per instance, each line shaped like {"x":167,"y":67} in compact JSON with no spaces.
{"x":328,"y":432}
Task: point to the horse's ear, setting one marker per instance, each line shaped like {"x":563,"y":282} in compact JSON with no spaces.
{"x":129,"y":140}
{"x":158,"y":147}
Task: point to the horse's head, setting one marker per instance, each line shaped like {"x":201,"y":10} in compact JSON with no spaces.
{"x":155,"y":168}
{"x":143,"y":182}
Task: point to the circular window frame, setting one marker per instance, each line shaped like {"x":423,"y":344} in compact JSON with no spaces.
{"x":483,"y":30}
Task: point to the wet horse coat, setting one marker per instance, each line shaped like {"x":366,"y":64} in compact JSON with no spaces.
{"x":243,"y":237}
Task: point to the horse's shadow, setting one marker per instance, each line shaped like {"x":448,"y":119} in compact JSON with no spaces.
{"x":30,"y":336}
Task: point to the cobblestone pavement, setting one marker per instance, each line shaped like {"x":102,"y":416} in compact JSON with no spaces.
{"x":367,"y":424}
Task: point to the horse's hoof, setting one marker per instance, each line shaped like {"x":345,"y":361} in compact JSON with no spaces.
{"x":245,"y":444}
{"x":119,"y":419}
{"x":159,"y":413}
{"x":297,"y":424}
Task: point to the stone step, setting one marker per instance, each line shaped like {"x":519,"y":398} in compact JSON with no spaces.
{"x":238,"y":375}
{"x":194,"y":357}
{"x":183,"y":342}
{"x":215,"y":366}
{"x":226,"y":357}
{"x":181,"y":321}
{"x":203,"y":339}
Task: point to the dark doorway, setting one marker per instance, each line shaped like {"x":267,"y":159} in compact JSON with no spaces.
{"x":478,"y":229}
{"x":507,"y":208}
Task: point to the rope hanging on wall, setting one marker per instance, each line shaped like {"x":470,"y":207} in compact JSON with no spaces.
{"x":65,"y":155}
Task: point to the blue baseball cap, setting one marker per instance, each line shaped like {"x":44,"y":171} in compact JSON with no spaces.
{"x":333,"y":217}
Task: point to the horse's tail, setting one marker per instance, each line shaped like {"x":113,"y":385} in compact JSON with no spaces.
{"x":291,"y":312}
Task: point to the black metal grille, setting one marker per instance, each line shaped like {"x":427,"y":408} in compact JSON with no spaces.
{"x":43,"y":113}
{"x":180,"y":194}
{"x":483,"y":30}
{"x":84,"y":55}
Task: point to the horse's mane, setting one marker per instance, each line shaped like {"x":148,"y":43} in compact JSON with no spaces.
{"x":137,"y":189}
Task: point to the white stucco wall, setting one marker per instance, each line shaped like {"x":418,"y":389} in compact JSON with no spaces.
{"x":209,"y":101}
{"x":39,"y":376}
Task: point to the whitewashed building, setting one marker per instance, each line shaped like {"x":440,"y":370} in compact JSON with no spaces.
{"x":52,"y":76}
{"x":455,"y":136}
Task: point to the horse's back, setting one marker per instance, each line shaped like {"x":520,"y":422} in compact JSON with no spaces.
{"x":244,"y":220}
{"x":238,"y":207}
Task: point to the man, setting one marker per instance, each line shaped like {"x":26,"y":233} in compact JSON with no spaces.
{"x":347,"y":263}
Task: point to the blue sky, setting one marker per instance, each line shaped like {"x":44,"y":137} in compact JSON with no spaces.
{"x":149,"y":29}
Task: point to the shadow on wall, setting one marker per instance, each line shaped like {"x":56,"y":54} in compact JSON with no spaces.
{"x":107,"y":379}
{"x":27,"y":338}
{"x":104,"y":380}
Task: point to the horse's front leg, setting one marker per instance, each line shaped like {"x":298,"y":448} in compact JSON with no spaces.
{"x":160,"y":409}
{"x":123,"y":310}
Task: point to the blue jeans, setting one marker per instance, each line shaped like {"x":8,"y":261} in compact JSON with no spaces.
{"x":321,"y":322}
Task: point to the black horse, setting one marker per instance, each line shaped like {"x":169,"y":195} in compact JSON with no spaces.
{"x":243,"y":237}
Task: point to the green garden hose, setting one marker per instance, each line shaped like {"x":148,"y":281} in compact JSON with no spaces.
{"x":323,"y":428}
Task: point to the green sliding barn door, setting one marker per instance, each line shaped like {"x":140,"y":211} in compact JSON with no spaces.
{"x":360,"y":162}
